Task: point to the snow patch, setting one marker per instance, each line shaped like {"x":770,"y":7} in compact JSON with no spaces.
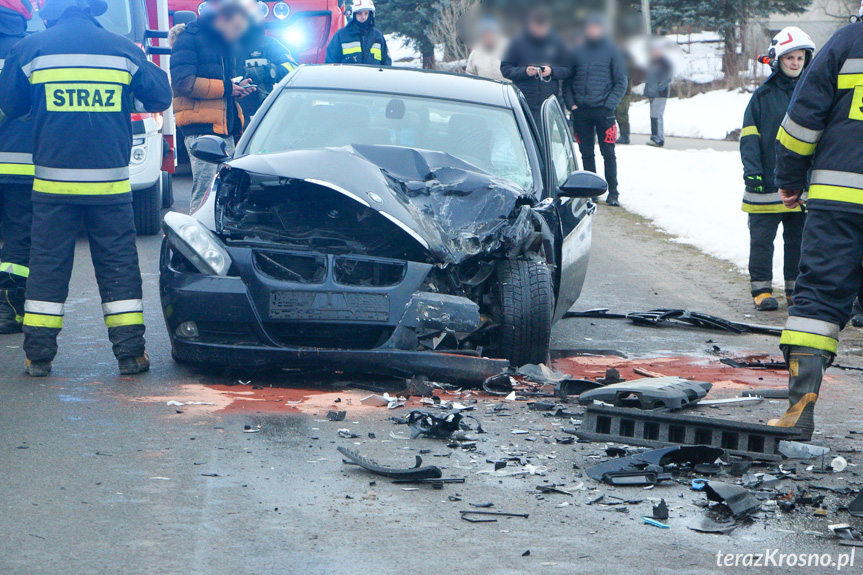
{"x":712,"y":115}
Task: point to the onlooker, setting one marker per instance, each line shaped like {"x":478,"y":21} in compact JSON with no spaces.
{"x":359,"y":42}
{"x":593,"y":92}
{"x":204,"y":95}
{"x":622,"y":111}
{"x":536,"y":61}
{"x":484,"y":59}
{"x":264,"y":61}
{"x":657,"y":89}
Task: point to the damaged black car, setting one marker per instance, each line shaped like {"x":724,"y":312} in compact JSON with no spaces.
{"x":386,"y":221}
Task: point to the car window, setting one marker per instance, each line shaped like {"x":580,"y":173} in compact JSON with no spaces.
{"x":562,"y":154}
{"x":485,"y":136}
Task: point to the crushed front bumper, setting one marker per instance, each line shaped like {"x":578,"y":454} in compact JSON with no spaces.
{"x":316,"y":318}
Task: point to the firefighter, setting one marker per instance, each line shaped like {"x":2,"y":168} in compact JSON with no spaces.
{"x":790,"y":51}
{"x":16,"y":183}
{"x":81,"y":84}
{"x":821,"y":132}
{"x":263,"y":60}
{"x":359,"y":42}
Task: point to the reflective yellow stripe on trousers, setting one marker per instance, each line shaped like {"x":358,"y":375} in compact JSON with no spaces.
{"x":85,"y":182}
{"x":123,"y":312}
{"x":807,"y":332}
{"x":43,"y":314}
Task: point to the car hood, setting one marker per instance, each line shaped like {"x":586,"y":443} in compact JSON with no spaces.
{"x":454,"y":209}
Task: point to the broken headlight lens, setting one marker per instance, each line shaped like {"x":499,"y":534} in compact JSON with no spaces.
{"x":197,"y":243}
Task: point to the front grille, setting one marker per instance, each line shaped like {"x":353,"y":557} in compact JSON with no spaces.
{"x":330,"y":336}
{"x":368,"y":273}
{"x":290,"y":267}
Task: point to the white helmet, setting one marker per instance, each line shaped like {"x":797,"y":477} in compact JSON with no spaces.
{"x":359,"y":5}
{"x":789,"y":39}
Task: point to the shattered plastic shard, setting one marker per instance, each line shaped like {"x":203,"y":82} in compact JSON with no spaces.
{"x":739,"y":500}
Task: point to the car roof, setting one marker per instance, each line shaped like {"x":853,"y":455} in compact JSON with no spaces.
{"x":405,"y":81}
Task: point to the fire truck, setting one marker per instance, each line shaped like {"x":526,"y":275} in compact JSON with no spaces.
{"x":304,"y":26}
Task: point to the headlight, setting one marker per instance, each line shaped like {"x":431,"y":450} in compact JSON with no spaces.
{"x":139,"y":154}
{"x":281,"y":10}
{"x":197,"y":243}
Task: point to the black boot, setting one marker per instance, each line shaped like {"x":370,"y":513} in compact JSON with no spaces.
{"x":134,"y":365}
{"x":613,"y":199}
{"x":11,"y":310}
{"x":857,"y":314}
{"x":806,"y":367}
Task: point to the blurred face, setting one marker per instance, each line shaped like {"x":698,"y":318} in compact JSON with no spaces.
{"x":794,"y":60}
{"x":488,"y":39}
{"x":232,"y":27}
{"x":539,"y":28}
{"x":362,"y":15}
{"x":594,"y":31}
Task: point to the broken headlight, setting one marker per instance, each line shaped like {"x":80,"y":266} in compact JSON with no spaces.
{"x":197,"y":243}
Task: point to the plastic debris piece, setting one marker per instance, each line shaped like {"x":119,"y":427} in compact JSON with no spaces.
{"x":839,"y":464}
{"x":704,"y":524}
{"x":174,"y":403}
{"x":336,"y":415}
{"x":842,"y":531}
{"x":855,"y":508}
{"x":655,"y":523}
{"x":740,"y":501}
{"x":415,"y":472}
{"x":649,"y":393}
{"x":660,"y":510}
{"x":733,"y":401}
{"x":797,"y":450}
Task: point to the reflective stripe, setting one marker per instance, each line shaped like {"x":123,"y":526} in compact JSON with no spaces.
{"x":789,"y":286}
{"x":16,"y":158}
{"x":813,"y":326}
{"x":289,"y":66}
{"x":376,"y":51}
{"x":851,"y":74}
{"x":44,"y":307}
{"x":756,"y":198}
{"x":122,"y":319}
{"x":795,"y":145}
{"x":2,"y":63}
{"x":799,"y":132}
{"x":852,"y":66}
{"x":82,"y":188}
{"x":49,"y":321}
{"x":83,"y":175}
{"x":79,"y":61}
{"x":81,"y":75}
{"x":806,"y":340}
{"x":352,"y":48}
{"x":16,"y":169}
{"x":15,"y":269}
{"x":749,"y":131}
{"x":122,"y":306}
{"x":760,"y":285}
{"x":836,"y":194}
{"x":837,"y":178}
{"x":778,"y":208}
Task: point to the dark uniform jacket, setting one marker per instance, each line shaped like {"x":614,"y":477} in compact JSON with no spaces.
{"x":598,"y":78}
{"x":359,"y":44}
{"x":81,"y":84}
{"x":761,"y":121}
{"x":823,"y":128}
{"x":525,"y":51}
{"x":16,"y":136}
{"x":265,"y":61}
{"x":201,"y":72}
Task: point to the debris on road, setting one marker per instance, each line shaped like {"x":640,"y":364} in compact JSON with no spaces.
{"x":660,"y":510}
{"x":651,"y":467}
{"x":652,"y":429}
{"x":437,"y":427}
{"x":659,"y":393}
{"x":417,"y":472}
{"x":655,"y":523}
{"x":739,"y":500}
{"x":336,"y":415}
{"x":474,"y":516}
{"x":680,"y":317}
{"x":704,"y":524}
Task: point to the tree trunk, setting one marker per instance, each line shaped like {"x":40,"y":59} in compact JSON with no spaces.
{"x":730,"y":60}
{"x":427,"y":50}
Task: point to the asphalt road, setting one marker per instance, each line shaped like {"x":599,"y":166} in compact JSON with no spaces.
{"x":98,"y":474}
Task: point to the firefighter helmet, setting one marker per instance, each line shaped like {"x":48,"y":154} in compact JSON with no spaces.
{"x":789,"y":39}
{"x":358,"y":5}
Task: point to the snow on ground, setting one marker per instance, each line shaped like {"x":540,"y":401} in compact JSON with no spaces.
{"x":693,"y":195}
{"x":711,"y":115}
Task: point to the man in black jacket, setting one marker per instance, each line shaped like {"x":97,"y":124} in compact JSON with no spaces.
{"x":592,"y":93}
{"x":536,"y":61}
{"x":80,"y":84}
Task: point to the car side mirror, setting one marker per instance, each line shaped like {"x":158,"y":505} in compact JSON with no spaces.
{"x":583,"y":184}
{"x":212,"y":149}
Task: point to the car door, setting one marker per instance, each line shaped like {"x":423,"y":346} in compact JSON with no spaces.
{"x":573,"y":215}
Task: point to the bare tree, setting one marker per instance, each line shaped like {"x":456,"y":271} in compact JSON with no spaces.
{"x":449,"y":30}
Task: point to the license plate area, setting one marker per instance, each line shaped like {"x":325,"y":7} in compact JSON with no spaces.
{"x":329,"y":306}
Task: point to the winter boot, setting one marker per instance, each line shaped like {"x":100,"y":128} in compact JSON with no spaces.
{"x":613,"y":199}
{"x":623,"y":139}
{"x":37,"y":368}
{"x":806,"y":367}
{"x":857,"y":314}
{"x":11,"y":310}
{"x":766,"y":302}
{"x":134,"y":365}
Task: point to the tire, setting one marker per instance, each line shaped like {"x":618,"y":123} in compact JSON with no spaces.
{"x":526,"y":299}
{"x":167,"y":190}
{"x":147,"y":204}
